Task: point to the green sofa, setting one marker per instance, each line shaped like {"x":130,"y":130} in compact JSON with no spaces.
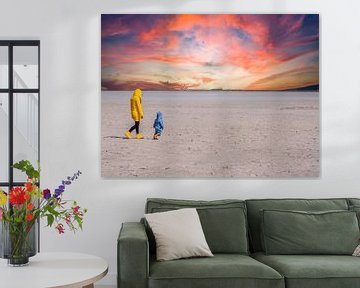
{"x":233,"y":230}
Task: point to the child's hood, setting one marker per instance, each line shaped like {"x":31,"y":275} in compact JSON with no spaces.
{"x":158,"y":115}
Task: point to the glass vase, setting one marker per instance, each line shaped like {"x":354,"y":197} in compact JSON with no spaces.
{"x":18,"y":242}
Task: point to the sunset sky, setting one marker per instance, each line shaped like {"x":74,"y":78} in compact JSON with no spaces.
{"x":203,"y":52}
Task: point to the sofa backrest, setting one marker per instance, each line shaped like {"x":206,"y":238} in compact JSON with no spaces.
{"x":256,"y":205}
{"x":353,"y":202}
{"x":223,"y":221}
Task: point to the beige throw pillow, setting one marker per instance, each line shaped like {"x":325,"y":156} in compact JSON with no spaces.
{"x":357,"y":251}
{"x":178,"y":234}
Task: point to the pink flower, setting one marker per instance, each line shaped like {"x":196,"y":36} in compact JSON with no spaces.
{"x":1,"y":212}
{"x":60,"y":228}
{"x":76,"y":210}
{"x":68,"y":219}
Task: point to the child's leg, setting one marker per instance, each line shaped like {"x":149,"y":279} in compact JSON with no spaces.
{"x":157,"y":133}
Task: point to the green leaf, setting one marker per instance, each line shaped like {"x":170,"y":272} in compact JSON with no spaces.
{"x":21,"y":165}
{"x":50,"y":219}
{"x":53,"y":211}
{"x":28,"y":168}
{"x":79,"y":221}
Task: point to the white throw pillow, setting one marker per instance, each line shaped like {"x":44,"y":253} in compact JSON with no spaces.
{"x":178,"y":234}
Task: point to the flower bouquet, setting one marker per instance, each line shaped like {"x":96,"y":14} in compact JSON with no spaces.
{"x":21,"y":208}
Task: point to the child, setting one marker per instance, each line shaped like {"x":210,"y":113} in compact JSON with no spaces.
{"x":136,"y":113}
{"x":158,"y":125}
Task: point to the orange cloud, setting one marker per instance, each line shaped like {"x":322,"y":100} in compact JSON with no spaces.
{"x":286,"y":80}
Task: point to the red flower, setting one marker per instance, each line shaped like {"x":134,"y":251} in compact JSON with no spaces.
{"x":17,"y":196}
{"x":29,"y":217}
{"x":60,"y":228}
{"x":29,"y":206}
{"x":27,"y":196}
{"x":29,"y":186}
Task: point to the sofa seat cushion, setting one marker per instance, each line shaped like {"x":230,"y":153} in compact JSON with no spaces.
{"x":222,"y":270}
{"x":314,"y":271}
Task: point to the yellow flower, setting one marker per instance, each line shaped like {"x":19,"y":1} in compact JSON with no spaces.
{"x":3,"y":198}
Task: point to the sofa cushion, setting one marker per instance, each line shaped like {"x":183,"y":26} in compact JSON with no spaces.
{"x":353,"y":201}
{"x":223,"y":221}
{"x":222,"y":270}
{"x":297,"y":232}
{"x":314,"y":271}
{"x":356,"y":209}
{"x":354,"y":205}
{"x":178,"y":234}
{"x":254,"y":217}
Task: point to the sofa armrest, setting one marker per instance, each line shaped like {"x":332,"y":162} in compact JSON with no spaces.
{"x":133,"y":256}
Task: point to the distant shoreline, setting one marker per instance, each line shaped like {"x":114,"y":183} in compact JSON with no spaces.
{"x":312,"y":88}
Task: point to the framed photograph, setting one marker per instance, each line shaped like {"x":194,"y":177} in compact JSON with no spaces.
{"x":210,"y":95}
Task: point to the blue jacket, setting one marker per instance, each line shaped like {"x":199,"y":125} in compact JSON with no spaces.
{"x":158,"y":123}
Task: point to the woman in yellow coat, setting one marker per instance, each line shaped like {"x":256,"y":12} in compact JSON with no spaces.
{"x":136,"y":113}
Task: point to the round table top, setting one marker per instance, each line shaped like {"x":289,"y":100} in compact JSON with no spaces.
{"x":68,"y":270}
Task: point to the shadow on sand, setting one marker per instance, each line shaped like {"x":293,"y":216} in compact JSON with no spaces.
{"x":125,"y":138}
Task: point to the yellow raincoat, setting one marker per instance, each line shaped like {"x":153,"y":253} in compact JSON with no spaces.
{"x":135,"y":105}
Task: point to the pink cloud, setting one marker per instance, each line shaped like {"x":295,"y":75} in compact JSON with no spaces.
{"x":291,"y":23}
{"x":147,"y":85}
{"x":255,"y":43}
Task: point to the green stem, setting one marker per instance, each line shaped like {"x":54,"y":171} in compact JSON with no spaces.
{"x":18,"y":237}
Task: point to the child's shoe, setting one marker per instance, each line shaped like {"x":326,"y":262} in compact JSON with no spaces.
{"x":128,"y":134}
{"x":155,"y":137}
{"x":139,"y":136}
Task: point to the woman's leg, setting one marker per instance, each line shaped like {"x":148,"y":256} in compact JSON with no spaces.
{"x":135,"y":126}
{"x":137,"y":123}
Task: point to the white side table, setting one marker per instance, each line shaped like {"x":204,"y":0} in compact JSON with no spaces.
{"x":50,"y":270}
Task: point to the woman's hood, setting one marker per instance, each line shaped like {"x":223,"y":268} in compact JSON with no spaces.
{"x":137,"y":93}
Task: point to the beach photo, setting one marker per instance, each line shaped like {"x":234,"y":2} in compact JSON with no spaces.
{"x":210,"y":95}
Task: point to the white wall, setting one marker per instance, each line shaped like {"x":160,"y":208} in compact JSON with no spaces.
{"x":69,"y":31}
{"x":4,"y":130}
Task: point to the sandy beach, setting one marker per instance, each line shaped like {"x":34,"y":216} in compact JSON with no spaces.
{"x":214,"y":134}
